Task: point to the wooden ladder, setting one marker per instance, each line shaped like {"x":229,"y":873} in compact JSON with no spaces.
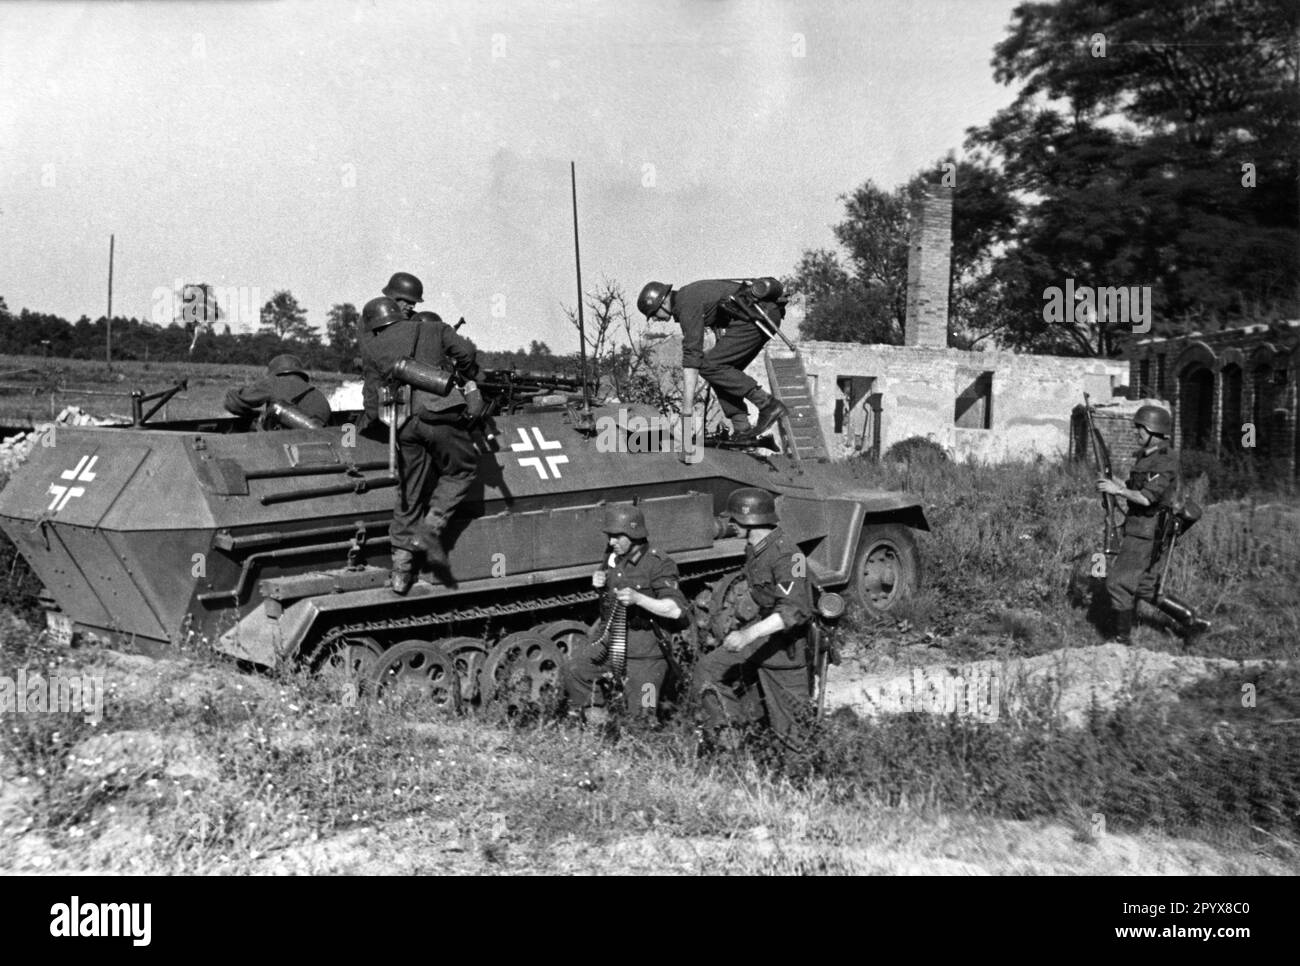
{"x":801,"y":430}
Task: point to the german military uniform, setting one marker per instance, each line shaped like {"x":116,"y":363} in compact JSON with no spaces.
{"x":654,"y":574}
{"x":700,"y":305}
{"x":1135,"y":570}
{"x":778,"y":665}
{"x":289,"y":387}
{"x":438,"y":460}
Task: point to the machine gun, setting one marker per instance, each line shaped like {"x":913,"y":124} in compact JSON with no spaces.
{"x":512,"y":389}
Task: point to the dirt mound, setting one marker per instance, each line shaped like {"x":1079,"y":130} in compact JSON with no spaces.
{"x":1068,"y":680}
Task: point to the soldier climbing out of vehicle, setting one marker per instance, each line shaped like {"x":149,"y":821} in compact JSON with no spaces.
{"x":285,"y":397}
{"x":729,"y":307}
{"x":642,"y":602}
{"x":1150,"y":492}
{"x":437,"y":460}
{"x":770,"y":653}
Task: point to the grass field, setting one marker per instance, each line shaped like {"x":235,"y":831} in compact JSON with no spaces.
{"x":33,"y":389}
{"x":198,"y":768}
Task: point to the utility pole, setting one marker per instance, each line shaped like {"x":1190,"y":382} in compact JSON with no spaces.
{"x":108,"y":320}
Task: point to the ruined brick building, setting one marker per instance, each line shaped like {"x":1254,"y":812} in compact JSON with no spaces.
{"x":1230,"y":392}
{"x":984,"y":405}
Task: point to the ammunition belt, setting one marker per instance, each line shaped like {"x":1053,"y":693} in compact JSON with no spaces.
{"x":482,"y":612}
{"x":612,"y":642}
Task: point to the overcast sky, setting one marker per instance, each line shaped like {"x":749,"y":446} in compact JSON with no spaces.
{"x":321,"y":146}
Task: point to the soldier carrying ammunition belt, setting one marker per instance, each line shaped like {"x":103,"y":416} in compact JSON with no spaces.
{"x":642,"y":581}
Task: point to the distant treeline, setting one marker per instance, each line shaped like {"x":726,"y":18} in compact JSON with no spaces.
{"x":39,"y":334}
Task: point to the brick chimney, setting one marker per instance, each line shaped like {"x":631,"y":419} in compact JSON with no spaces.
{"x":929,"y":265}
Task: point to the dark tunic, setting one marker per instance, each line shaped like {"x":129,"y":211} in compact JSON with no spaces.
{"x":778,"y":664}
{"x":291,"y":388}
{"x":654,"y":574}
{"x":1132,"y":576}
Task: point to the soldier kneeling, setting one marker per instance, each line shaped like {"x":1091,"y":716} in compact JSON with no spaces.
{"x":772,"y":652}
{"x":642,"y":582}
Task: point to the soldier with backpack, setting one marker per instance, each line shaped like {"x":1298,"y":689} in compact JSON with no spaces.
{"x":727,"y":306}
{"x":438,"y":460}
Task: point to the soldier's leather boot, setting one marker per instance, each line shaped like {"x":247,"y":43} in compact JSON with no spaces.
{"x":429,"y":542}
{"x":1123,"y":628}
{"x":768,"y":415}
{"x":403,"y":573}
{"x":1189,"y":624}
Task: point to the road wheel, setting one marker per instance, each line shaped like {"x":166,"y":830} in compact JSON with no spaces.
{"x":522,"y":669}
{"x":416,"y":672}
{"x":567,"y":635}
{"x":886,"y":569}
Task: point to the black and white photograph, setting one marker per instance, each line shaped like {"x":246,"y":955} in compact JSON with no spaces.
{"x":703,"y":437}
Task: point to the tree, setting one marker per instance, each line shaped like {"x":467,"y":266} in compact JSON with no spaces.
{"x":622,"y":357}
{"x":864,"y":298}
{"x":341,"y":327}
{"x":1138,"y":132}
{"x":284,"y":318}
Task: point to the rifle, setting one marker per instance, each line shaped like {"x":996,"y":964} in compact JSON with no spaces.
{"x":755,"y":313}
{"x":830,"y":606}
{"x":1109,"y":502}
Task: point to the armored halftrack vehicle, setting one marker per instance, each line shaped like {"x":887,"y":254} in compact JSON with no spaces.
{"x":274,"y":545}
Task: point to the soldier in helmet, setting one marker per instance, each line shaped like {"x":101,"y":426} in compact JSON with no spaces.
{"x":705,"y":305}
{"x":772,"y":652}
{"x":438,"y":460}
{"x":286,"y":382}
{"x":645,"y":581}
{"x":1151,"y":486}
{"x":406,"y":290}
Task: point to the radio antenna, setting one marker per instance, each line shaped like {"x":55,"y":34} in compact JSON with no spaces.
{"x":582,"y":329}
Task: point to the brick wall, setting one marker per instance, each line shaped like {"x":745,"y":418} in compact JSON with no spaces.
{"x":929,"y":269}
{"x":1218,"y":383}
{"x":1032,"y":397}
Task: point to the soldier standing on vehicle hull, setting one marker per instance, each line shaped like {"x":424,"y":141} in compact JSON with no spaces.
{"x":406,"y":290}
{"x":1149,"y":491}
{"x":701,"y":305}
{"x":438,"y":460}
{"x":645,"y":582}
{"x":772,"y":652}
{"x":286,"y":381}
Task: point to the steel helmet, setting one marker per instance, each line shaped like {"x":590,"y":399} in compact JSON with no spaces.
{"x":652,"y":297}
{"x":286,"y":365}
{"x":404,"y":285}
{"x":767,"y":289}
{"x":622,"y":518}
{"x":427,"y":317}
{"x":752,"y":507}
{"x":1155,"y":420}
{"x":379,"y":312}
